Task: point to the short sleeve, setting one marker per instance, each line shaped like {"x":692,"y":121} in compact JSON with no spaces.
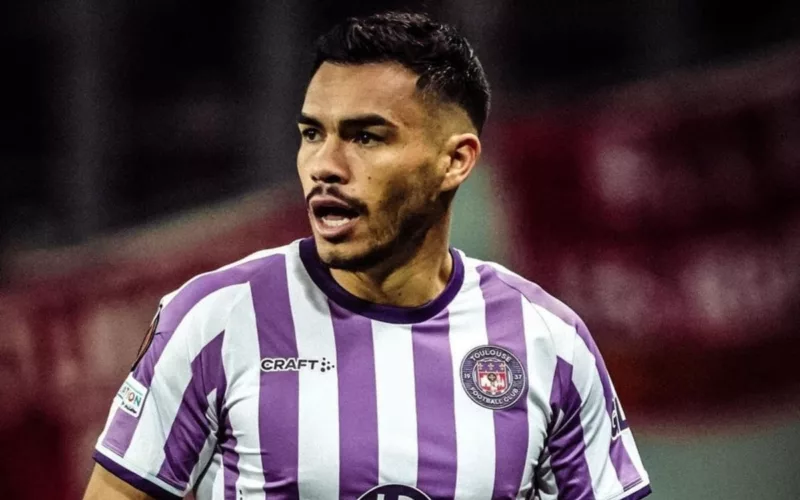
{"x":590,"y":449}
{"x":162,"y":427}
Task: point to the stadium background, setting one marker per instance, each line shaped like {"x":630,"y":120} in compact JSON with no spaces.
{"x":642,"y":163}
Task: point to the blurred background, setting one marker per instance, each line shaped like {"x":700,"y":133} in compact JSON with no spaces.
{"x":642,"y":163}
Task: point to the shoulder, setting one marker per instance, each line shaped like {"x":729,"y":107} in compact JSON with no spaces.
{"x":216,"y":292}
{"x":547,"y":312}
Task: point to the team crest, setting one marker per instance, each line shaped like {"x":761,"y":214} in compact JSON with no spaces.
{"x":493,"y":377}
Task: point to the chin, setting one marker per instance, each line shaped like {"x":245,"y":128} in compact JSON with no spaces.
{"x":348,"y":256}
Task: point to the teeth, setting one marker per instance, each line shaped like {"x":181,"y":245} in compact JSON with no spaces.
{"x":335,"y":222}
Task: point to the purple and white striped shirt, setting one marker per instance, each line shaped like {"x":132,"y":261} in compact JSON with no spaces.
{"x":267,"y":380}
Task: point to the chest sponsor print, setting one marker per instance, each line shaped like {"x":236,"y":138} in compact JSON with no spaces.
{"x":296,"y":364}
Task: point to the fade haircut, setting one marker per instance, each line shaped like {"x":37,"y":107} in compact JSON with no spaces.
{"x":447,"y":66}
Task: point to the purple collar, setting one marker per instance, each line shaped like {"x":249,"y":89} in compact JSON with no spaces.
{"x":321,"y":276}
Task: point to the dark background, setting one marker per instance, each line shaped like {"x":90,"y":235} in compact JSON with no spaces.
{"x":115,"y":113}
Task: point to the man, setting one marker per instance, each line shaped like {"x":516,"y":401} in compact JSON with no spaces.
{"x":349,"y":365}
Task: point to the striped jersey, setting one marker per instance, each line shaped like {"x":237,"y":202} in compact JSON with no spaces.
{"x":265,"y":379}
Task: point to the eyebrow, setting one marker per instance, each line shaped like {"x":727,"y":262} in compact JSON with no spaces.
{"x":358,"y":121}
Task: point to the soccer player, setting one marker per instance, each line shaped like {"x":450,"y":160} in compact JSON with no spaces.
{"x":372,"y":361}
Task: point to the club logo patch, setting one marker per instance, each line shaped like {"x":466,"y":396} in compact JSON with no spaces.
{"x":493,"y":377}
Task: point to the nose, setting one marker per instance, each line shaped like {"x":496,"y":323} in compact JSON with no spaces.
{"x":328,"y":164}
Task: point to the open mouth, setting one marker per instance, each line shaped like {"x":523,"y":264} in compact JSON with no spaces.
{"x":332,"y":217}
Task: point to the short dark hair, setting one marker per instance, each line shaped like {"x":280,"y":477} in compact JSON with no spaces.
{"x":445,"y":62}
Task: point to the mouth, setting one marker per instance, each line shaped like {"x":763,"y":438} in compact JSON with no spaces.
{"x":332,"y":217}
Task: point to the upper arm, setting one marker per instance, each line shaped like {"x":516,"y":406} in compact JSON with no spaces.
{"x":163,"y":425}
{"x":591,"y":449}
{"x":104,"y":485}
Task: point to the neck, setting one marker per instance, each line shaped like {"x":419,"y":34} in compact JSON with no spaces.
{"x":412,"y":278}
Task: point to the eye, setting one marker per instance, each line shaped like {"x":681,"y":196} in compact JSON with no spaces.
{"x":310,"y":134}
{"x":366,"y":139}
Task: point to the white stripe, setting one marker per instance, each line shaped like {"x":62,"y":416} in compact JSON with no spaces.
{"x":596,"y":423}
{"x":562,"y":334}
{"x":241,"y":360}
{"x":474,"y":424}
{"x":173,"y":372}
{"x":210,"y":483}
{"x":628,"y":441}
{"x":633,"y":453}
{"x":561,"y":343}
{"x":541,"y":364}
{"x":318,"y":403}
{"x":210,"y":445}
{"x":547,"y":488}
{"x":396,"y":402}
{"x":218,"y":490}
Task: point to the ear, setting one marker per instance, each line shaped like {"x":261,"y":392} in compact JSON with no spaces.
{"x":461,"y":153}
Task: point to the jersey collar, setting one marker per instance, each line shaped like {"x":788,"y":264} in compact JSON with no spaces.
{"x":321,"y":276}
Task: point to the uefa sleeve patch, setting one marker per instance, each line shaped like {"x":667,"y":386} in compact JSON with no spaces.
{"x":131,"y":396}
{"x":493,"y":377}
{"x":148,"y":339}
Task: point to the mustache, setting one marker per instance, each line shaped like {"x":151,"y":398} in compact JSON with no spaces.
{"x":334,"y":192}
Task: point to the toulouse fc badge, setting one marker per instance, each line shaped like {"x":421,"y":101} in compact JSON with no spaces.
{"x":493,"y":377}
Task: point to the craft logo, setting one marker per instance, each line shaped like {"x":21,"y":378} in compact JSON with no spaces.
{"x":296,"y":364}
{"x":493,"y":377}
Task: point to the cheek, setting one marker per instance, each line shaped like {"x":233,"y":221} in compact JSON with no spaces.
{"x":302,"y":172}
{"x":305,"y":184}
{"x":302,"y":160}
{"x":401,"y":198}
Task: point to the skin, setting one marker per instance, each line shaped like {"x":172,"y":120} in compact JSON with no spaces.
{"x":401,"y":172}
{"x":104,"y":485}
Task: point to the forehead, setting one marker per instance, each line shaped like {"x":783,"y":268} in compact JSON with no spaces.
{"x":338,"y":91}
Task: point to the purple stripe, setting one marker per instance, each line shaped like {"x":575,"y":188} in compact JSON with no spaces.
{"x":230,"y":459}
{"x":120,"y":432}
{"x":146,"y":368}
{"x":123,"y":425}
{"x":278,"y":394}
{"x":626,"y":471}
{"x":567,"y":447}
{"x":133,"y":479}
{"x":191,"y":428}
{"x":436,"y":421}
{"x":358,"y":408}
{"x":505,"y":328}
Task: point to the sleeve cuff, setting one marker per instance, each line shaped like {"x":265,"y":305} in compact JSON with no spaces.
{"x":135,"y":480}
{"x":639,"y":494}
